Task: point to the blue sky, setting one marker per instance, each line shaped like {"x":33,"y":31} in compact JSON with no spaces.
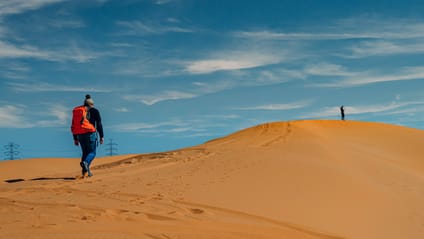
{"x":167,"y":74}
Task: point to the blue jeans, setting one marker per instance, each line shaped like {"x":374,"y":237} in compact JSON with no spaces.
{"x":88,"y":144}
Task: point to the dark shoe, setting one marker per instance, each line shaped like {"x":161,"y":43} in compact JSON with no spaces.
{"x":87,"y":168}
{"x":84,"y":167}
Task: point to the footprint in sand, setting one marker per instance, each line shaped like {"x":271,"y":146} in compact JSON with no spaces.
{"x":137,"y":201}
{"x":196,"y":211}
{"x":115,"y":212}
{"x":159,"y":217}
{"x":157,"y":237}
{"x":158,"y":196}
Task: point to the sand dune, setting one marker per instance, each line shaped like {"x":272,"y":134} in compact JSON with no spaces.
{"x":298,"y":179}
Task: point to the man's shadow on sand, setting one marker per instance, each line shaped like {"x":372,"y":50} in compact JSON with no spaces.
{"x":17,"y":180}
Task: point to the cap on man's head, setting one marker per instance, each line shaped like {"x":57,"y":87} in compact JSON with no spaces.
{"x":88,"y":100}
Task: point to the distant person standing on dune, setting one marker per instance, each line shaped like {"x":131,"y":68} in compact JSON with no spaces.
{"x":342,"y":112}
{"x":86,"y":123}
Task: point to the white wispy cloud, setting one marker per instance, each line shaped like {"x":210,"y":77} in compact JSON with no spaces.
{"x":360,"y":28}
{"x":286,"y":106}
{"x":60,"y":112}
{"x":171,"y":130}
{"x":121,"y":44}
{"x":147,"y":66}
{"x":272,"y":35}
{"x":12,"y":116}
{"x":144,"y":28}
{"x":161,"y":96}
{"x":38,"y":86}
{"x":232,"y":60}
{"x":75,"y":53}
{"x":327,"y":69}
{"x":58,"y":115}
{"x":18,"y":67}
{"x":13,"y":70}
{"x":122,"y":110}
{"x":66,"y":23}
{"x":72,"y":53}
{"x":371,"y":36}
{"x":19,"y":116}
{"x":408,"y":111}
{"x":382,"y":28}
{"x":212,"y":65}
{"x":364,"y":78}
{"x":193,"y":127}
{"x":8,"y":50}
{"x":384,"y":48}
{"x":236,"y":79}
{"x":221,"y":117}
{"x":3,"y":31}
{"x":228,"y":57}
{"x":133,"y":127}
{"x":143,"y":126}
{"x":19,"y":6}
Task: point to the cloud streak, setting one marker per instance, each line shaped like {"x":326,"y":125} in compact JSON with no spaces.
{"x":279,"y":107}
{"x":142,"y":28}
{"x":18,"y":117}
{"x":327,"y":69}
{"x":161,"y":96}
{"x":58,"y":116}
{"x":360,"y":38}
{"x":345,"y":29}
{"x":72,"y":53}
{"x":19,"y":6}
{"x":385,"y":48}
{"x":190,"y":128}
{"x":272,"y":35}
{"x":12,"y":50}
{"x":173,"y":126}
{"x":48,"y":87}
{"x":360,"y":79}
{"x":8,"y":50}
{"x":231,"y":61}
{"x":12,"y":117}
{"x":234,"y":80}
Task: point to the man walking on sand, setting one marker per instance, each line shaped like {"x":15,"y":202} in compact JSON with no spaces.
{"x":86,"y":123}
{"x":342,"y":112}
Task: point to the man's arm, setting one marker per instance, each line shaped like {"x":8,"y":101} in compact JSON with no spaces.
{"x":99,"y":126}
{"x":75,"y":139}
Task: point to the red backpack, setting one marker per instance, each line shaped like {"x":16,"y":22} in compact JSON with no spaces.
{"x":80,"y":123}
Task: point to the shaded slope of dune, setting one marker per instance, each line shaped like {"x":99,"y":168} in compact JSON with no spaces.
{"x":298,"y":179}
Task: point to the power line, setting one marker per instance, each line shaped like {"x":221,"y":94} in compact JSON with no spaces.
{"x":11,"y":151}
{"x":111,"y":147}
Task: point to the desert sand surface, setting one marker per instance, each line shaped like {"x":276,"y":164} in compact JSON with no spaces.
{"x":297,"y":180}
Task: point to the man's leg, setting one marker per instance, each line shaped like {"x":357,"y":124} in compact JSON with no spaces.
{"x":84,"y":141}
{"x":92,"y":152}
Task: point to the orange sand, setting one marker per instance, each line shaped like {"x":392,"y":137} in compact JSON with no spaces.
{"x":299,"y":179}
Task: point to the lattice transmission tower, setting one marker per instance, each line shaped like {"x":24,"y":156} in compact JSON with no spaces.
{"x":11,"y":151}
{"x":111,"y":147}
